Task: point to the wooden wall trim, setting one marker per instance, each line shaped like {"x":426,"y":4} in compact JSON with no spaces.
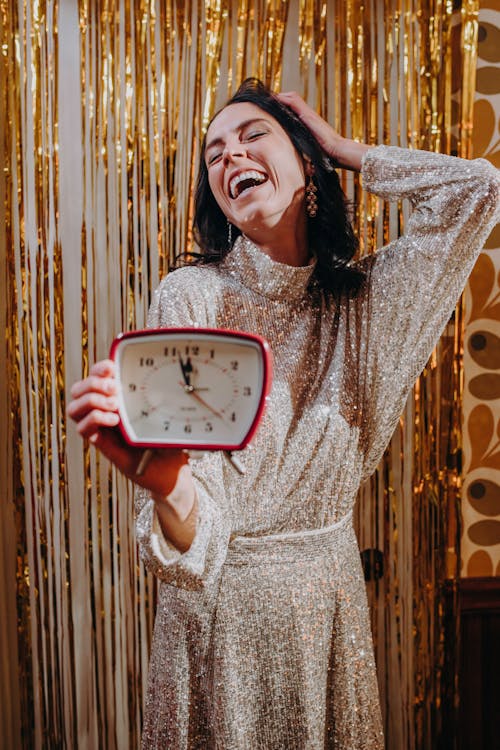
{"x":479,"y":594}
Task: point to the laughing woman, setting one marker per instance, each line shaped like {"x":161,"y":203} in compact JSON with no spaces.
{"x":262,"y":637}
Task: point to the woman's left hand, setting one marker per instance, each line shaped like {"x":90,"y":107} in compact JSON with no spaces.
{"x":348,"y":154}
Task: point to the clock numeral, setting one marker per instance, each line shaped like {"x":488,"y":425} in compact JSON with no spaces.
{"x":188,"y":428}
{"x":247,"y":391}
{"x":233,"y":417}
{"x":195,"y":350}
{"x":166,"y":425}
{"x":148,"y":361}
{"x":208,"y":427}
{"x":144,"y":413}
{"x":212,"y":352}
{"x":234,"y":365}
{"x":132,"y":387}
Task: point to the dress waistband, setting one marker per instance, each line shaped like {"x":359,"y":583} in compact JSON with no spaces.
{"x":292,"y":546}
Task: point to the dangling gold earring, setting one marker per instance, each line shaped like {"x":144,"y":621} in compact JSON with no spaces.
{"x":311,"y":198}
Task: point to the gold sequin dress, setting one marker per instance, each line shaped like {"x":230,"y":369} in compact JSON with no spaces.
{"x":262,"y":638}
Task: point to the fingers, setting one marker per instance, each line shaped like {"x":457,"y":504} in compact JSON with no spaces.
{"x":327,"y":138}
{"x":288,"y":95}
{"x":92,"y":421}
{"x":103,"y":368}
{"x":94,"y":408}
{"x":293,"y":100}
{"x":105,"y":387}
{"x":301,"y":108}
{"x":101,"y":379}
{"x":344,"y":152}
{"x":94,"y":404}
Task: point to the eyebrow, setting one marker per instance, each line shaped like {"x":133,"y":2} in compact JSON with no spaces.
{"x":241,"y":126}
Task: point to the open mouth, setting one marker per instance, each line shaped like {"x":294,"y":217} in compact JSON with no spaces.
{"x":244,"y":181}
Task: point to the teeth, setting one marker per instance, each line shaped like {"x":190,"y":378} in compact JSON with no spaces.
{"x":251,"y":174}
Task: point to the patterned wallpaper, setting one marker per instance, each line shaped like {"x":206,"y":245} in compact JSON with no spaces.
{"x":481,"y":486}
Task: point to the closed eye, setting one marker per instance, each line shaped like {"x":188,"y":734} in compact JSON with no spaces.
{"x":215,"y":157}
{"x":254,"y":134}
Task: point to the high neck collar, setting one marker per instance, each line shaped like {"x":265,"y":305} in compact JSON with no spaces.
{"x":259,"y":272}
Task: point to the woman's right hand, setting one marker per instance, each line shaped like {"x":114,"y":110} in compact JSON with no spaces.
{"x":167,"y":475}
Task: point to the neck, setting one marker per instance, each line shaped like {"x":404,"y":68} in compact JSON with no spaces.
{"x":284,"y":243}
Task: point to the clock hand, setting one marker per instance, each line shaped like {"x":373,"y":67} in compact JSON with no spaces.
{"x":186,"y":368}
{"x":191,"y":391}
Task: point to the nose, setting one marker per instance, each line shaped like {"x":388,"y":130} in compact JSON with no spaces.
{"x":233,"y":150}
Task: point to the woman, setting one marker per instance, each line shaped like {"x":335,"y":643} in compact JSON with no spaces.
{"x":262,"y":635}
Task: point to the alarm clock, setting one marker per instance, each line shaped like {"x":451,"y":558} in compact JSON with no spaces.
{"x":191,"y":388}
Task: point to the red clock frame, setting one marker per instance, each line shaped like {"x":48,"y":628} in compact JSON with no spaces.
{"x":267,"y":363}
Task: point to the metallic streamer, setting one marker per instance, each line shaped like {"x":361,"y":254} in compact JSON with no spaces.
{"x":98,"y":152}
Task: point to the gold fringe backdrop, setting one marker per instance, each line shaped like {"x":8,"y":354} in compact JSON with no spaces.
{"x":103,"y":107}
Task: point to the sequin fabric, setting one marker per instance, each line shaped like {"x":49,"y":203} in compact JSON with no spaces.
{"x":262,"y":637}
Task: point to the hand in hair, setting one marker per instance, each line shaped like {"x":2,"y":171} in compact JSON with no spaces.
{"x":346,"y":153}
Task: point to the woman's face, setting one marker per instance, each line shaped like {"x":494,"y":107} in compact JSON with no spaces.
{"x":255,"y":174}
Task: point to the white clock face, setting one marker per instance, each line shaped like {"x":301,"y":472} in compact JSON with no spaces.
{"x":189,"y":389}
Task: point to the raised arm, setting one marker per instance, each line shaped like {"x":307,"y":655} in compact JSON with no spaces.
{"x":414,"y":283}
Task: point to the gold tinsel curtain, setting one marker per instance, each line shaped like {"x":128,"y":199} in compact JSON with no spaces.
{"x":103,"y":104}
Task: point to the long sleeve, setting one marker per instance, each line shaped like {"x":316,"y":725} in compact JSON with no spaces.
{"x":179,"y":301}
{"x":414,"y":283}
